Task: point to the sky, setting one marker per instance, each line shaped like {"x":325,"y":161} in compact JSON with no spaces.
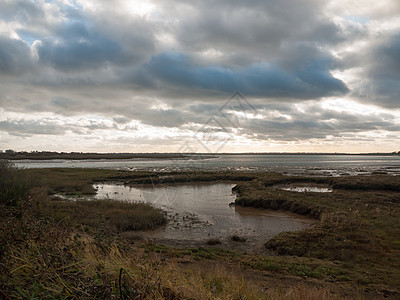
{"x":200,"y":76}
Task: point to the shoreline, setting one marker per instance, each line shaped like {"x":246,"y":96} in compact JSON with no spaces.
{"x":46,"y":155}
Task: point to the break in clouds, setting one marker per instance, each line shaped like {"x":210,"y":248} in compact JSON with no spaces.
{"x":144,"y":76}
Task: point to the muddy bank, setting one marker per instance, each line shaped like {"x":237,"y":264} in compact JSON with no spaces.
{"x":281,"y":204}
{"x":275,"y":201}
{"x":182,"y":177}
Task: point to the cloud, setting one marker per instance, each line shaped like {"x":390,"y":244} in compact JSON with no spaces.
{"x":80,"y":49}
{"x":20,"y":10}
{"x":171,"y":64}
{"x":258,"y":29}
{"x":15,"y":57}
{"x":380,"y":84}
{"x":30,"y":127}
{"x":311,"y":80}
{"x":314,"y":122}
{"x":80,"y":44}
{"x":126,"y":51}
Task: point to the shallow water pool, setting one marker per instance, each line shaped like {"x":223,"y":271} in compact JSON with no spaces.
{"x":199,"y":212}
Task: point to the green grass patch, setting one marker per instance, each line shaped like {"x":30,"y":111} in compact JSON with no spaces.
{"x":113,"y":216}
{"x":357,"y":227}
{"x":70,"y":181}
{"x":74,"y":181}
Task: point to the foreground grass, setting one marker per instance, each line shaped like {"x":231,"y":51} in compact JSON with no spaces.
{"x":58,"y":249}
{"x":42,"y":257}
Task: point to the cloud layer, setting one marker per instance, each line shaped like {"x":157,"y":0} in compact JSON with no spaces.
{"x":319,"y":73}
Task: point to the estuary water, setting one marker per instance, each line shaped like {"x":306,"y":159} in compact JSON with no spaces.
{"x":199,"y":212}
{"x":312,"y":164}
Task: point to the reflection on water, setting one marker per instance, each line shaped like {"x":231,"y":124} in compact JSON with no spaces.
{"x":312,"y":189}
{"x":199,"y":212}
{"x":302,"y":187}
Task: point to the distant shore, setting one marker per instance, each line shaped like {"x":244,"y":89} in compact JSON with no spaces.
{"x":83,"y":156}
{"x":48,"y":155}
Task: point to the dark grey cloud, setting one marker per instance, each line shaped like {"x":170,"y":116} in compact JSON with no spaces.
{"x":80,"y":44}
{"x":168,"y":118}
{"x":317,"y":122}
{"x":21,"y":10}
{"x":311,"y":80}
{"x":54,"y":126}
{"x":79,"y":49}
{"x":29,"y":128}
{"x":70,"y":40}
{"x":380,"y":82}
{"x":258,"y":28}
{"x":83,"y":43}
{"x":121,"y":120}
{"x":385,"y":73}
{"x":15,"y":57}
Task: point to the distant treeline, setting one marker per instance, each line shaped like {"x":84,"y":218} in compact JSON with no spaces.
{"x":312,"y":153}
{"x":42,"y":155}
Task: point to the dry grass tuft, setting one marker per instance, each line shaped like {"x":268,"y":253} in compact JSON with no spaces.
{"x":114,"y":216}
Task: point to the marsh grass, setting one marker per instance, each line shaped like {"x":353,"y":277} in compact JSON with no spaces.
{"x":74,"y":181}
{"x":59,"y":249}
{"x":53,"y":260}
{"x":357,"y":226}
{"x":109,"y":215}
{"x":14,"y":183}
{"x":70,"y":181}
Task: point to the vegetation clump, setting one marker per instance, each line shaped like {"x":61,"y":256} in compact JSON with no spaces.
{"x":113,"y":216}
{"x":13,"y":184}
{"x":212,"y":242}
{"x":237,"y":238}
{"x":356,"y":225}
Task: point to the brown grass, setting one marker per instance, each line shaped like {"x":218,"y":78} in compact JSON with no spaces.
{"x":357,"y":227}
{"x":109,"y":215}
{"x":60,"y":249}
{"x":69,"y":181}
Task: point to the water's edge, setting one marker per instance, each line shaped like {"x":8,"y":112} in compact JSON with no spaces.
{"x":200,"y":212}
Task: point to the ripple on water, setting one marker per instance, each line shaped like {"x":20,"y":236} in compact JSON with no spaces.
{"x":199,"y":212}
